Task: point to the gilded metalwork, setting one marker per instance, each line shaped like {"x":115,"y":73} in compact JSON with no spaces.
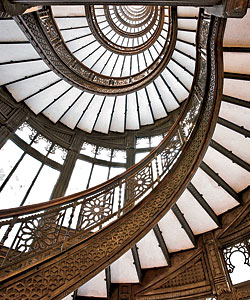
{"x":139,"y":183}
{"x":170,"y":153}
{"x":193,"y":274}
{"x":34,"y":235}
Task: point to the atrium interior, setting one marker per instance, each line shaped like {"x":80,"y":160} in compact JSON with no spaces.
{"x":124,"y":152}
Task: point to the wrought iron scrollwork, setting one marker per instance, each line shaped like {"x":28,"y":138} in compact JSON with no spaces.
{"x":139,"y":183}
{"x":34,"y":235}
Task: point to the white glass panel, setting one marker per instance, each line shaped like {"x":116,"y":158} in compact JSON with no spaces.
{"x":155,"y":140}
{"x":45,"y":98}
{"x":72,"y":116}
{"x":67,"y":98}
{"x":91,"y":113}
{"x":144,"y":108}
{"x":26,"y":88}
{"x":115,"y":171}
{"x":88,"y":149}
{"x":117,"y":122}
{"x":156,"y":104}
{"x":14,"y":191}
{"x":10,"y":31}
{"x":99,"y":175}
{"x":142,"y":143}
{"x":153,"y":258}
{"x":96,"y":287}
{"x":9,"y":155}
{"x":103,"y":154}
{"x":43,"y":186}
{"x":132,"y":121}
{"x":242,"y":271}
{"x":42,"y":145}
{"x":16,"y":52}
{"x":103,"y":120}
{"x":119,"y":156}
{"x":79,"y":177}
{"x":69,"y":297}
{"x":140,"y":156}
{"x":126,"y":264}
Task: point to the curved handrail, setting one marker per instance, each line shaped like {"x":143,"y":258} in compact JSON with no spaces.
{"x":43,"y":33}
{"x":125,"y":50}
{"x":127,"y":33}
{"x":19,"y":211}
{"x":128,"y":179}
{"x":89,"y":255}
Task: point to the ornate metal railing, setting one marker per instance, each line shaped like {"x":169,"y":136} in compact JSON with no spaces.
{"x":158,"y":18}
{"x":87,"y":211}
{"x":66,"y":241}
{"x":42,"y":31}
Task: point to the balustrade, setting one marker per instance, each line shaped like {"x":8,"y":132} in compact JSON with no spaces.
{"x":41,"y":230}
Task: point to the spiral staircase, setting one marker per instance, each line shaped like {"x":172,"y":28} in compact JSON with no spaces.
{"x":139,"y":70}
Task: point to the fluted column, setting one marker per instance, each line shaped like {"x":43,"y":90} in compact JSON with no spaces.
{"x":220,"y":277}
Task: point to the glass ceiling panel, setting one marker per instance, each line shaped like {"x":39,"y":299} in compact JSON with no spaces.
{"x":8,"y":161}
{"x":80,"y":176}
{"x":13,"y":193}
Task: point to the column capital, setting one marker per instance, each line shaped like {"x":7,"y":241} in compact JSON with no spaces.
{"x":221,"y":281}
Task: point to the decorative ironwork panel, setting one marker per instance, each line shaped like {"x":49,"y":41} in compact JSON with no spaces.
{"x":204,"y":30}
{"x":95,"y":209}
{"x":139,"y":183}
{"x":35,"y":234}
{"x":243,"y":248}
{"x":170,"y":153}
{"x":187,"y":123}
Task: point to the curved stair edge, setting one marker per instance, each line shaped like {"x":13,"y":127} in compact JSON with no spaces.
{"x":84,"y":260}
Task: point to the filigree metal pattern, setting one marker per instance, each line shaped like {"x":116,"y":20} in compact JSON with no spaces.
{"x":139,"y":183}
{"x":35,"y":234}
{"x":240,"y":247}
{"x":191,"y":275}
{"x":170,"y":153}
{"x":32,"y":130}
{"x":95,"y":209}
